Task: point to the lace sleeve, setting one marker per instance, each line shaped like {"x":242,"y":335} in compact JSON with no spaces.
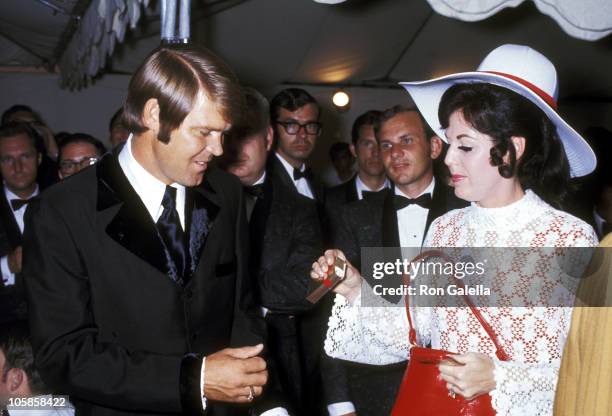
{"x":524,"y":389}
{"x":528,"y":388}
{"x":369,"y":335}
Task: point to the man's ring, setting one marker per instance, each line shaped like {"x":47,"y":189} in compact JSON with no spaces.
{"x":451,"y":393}
{"x":251,"y":394}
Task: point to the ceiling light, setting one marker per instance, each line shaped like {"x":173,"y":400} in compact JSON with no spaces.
{"x":341,"y":100}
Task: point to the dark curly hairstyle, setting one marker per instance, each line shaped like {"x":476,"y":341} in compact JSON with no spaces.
{"x":501,"y":114}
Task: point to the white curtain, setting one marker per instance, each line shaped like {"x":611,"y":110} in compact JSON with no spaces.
{"x":103,"y":24}
{"x":583,"y":19}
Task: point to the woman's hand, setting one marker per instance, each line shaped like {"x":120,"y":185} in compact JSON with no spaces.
{"x":471,"y":375}
{"x":350,"y":287}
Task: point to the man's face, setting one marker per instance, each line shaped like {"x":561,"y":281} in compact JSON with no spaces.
{"x":185,"y":158}
{"x":296,"y":148}
{"x":76,"y":157}
{"x":118,"y":135}
{"x":252,"y":155}
{"x":367,"y":152}
{"x":406,"y":153}
{"x":18,"y":163}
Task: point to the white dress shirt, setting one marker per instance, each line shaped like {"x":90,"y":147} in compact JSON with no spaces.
{"x":411,"y":220}
{"x":7,"y":277}
{"x":361,"y":186}
{"x":151,"y":192}
{"x":301,"y":184}
{"x":150,"y":189}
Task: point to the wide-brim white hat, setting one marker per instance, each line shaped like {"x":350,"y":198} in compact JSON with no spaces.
{"x":522,"y":70}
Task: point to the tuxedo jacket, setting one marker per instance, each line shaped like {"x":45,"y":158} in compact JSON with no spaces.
{"x":110,"y":327}
{"x":340,"y":195}
{"x":285,"y":241}
{"x":372,"y":221}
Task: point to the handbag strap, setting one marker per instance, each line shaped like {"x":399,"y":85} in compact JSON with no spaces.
{"x":499,"y":350}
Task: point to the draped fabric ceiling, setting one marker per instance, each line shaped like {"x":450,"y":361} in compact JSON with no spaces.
{"x":372,"y":43}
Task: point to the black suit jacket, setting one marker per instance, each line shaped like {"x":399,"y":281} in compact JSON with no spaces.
{"x":109,"y":326}
{"x":372,"y":222}
{"x":340,"y":195}
{"x":285,"y":241}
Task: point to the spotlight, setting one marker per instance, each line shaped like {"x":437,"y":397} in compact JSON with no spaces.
{"x":341,"y":100}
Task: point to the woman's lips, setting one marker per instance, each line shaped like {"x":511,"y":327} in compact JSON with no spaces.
{"x":457,"y":178}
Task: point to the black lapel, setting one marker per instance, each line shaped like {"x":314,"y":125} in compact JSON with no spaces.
{"x":276,"y":168}
{"x":259,"y":222}
{"x":389,"y":232}
{"x":203,"y":204}
{"x":351,"y":189}
{"x":131,"y":226}
{"x":10,"y":223}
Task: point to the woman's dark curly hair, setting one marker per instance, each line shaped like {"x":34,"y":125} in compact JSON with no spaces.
{"x":502,"y":114}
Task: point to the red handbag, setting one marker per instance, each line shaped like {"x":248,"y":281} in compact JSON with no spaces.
{"x":423,"y":391}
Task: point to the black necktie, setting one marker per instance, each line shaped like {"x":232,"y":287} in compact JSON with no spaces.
{"x":18,"y":203}
{"x":171,"y":232}
{"x":254,"y":190}
{"x":401,"y":202}
{"x":298,"y":174}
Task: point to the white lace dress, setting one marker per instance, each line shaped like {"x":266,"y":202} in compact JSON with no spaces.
{"x":532,"y":336}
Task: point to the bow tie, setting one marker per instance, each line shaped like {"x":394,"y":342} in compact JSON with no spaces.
{"x":16,"y":204}
{"x":254,"y":190}
{"x":298,"y":174}
{"x":401,"y":202}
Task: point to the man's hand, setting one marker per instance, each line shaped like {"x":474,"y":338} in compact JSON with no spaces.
{"x":231,"y":373}
{"x":350,"y":287}
{"x":14,"y":260}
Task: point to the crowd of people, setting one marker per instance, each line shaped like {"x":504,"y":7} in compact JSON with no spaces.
{"x":169,"y":275}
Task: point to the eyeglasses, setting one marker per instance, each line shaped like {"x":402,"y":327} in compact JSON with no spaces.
{"x":69,"y":165}
{"x":293,"y":127}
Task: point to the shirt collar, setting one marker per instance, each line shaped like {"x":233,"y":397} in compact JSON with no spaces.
{"x":261,"y":179}
{"x":150,"y":189}
{"x":428,"y":190}
{"x":361,"y":186}
{"x":9,"y":195}
{"x":288,"y":166}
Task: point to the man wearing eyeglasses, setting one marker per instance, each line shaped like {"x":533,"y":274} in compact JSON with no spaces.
{"x":77,"y":152}
{"x":295,"y":117}
{"x":19,"y":161}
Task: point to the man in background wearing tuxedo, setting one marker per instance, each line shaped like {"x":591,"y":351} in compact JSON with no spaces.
{"x":136,"y":273}
{"x":19,"y":161}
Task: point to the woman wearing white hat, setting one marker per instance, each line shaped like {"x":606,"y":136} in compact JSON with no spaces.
{"x":511,"y":155}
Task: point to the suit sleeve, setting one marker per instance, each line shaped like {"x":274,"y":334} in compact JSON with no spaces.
{"x":345,"y":239}
{"x":68,"y":353}
{"x":285,"y":285}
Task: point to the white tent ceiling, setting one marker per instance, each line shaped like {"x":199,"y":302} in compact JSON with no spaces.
{"x":372,"y":43}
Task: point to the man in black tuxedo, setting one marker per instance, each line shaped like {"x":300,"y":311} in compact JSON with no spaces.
{"x":136,"y":269}
{"x":19,"y":161}
{"x":397,"y":217}
{"x":295,"y":115}
{"x":285,"y":239}
{"x":370,"y":176}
